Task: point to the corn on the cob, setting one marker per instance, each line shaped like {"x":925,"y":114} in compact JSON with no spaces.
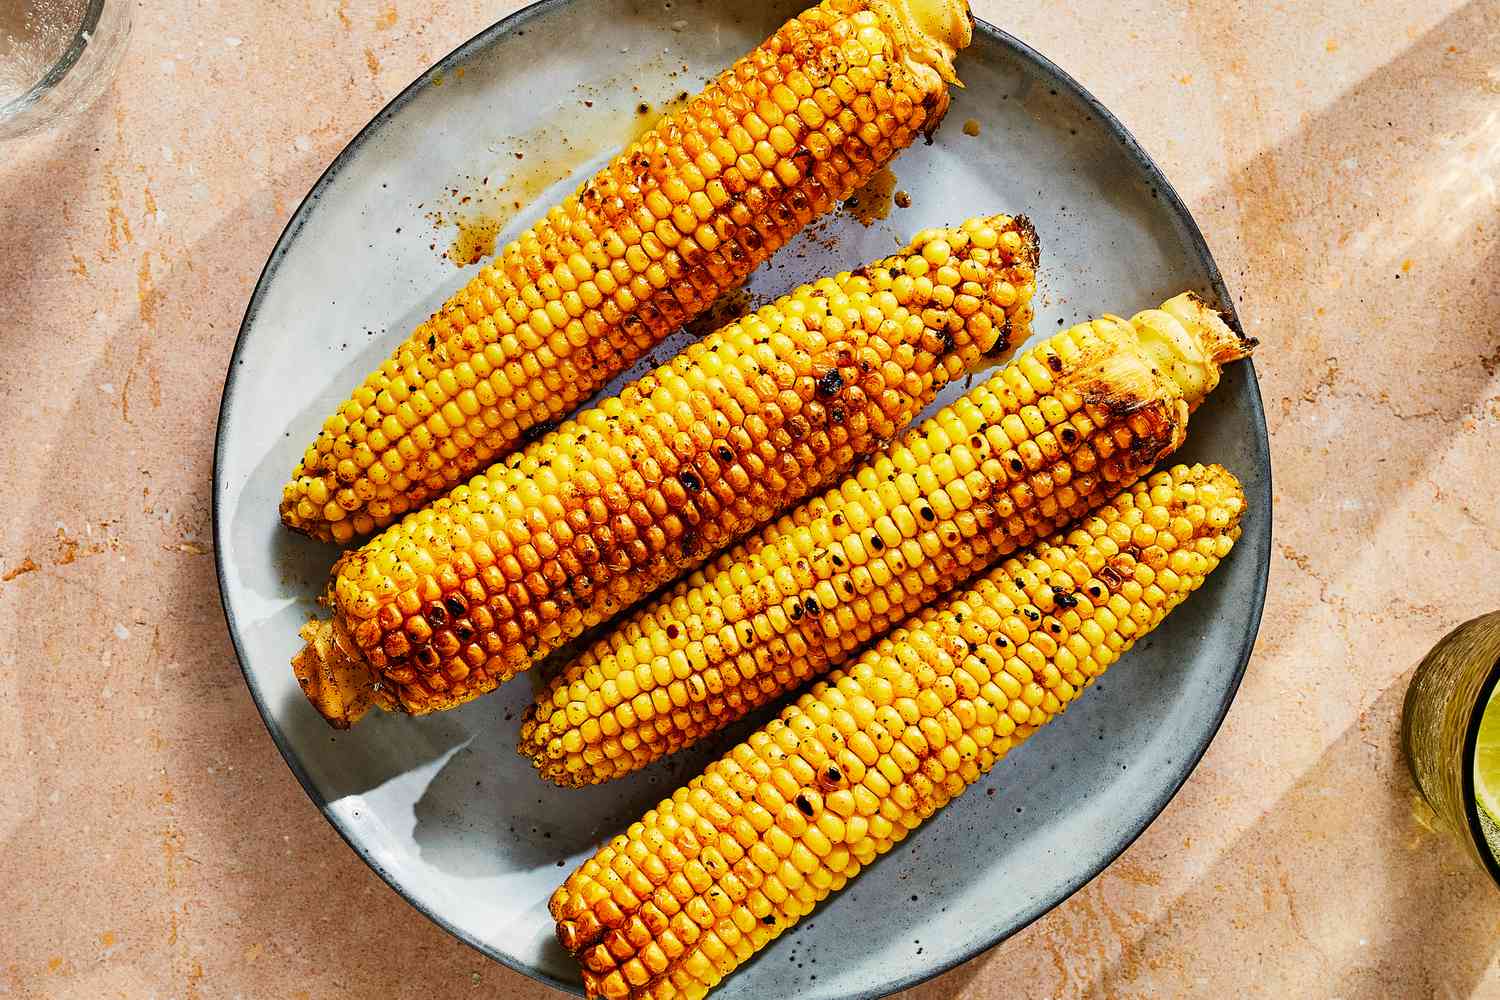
{"x":747,"y":849}
{"x":682,"y":215}
{"x":1052,"y":435}
{"x":460,"y":596}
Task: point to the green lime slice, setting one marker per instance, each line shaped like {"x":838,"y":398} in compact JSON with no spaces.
{"x":1487,"y":760}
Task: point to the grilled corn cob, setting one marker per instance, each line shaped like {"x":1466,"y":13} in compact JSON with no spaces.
{"x":712,"y":874}
{"x":682,"y":215}
{"x":462,"y":595}
{"x":1055,"y":433}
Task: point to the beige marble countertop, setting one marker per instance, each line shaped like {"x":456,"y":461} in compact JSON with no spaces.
{"x":1343,"y":158}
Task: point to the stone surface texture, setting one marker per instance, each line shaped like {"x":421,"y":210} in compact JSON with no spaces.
{"x":1343,"y":158}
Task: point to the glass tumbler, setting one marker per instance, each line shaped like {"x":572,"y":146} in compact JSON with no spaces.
{"x":1449,"y":735}
{"x":56,"y":58}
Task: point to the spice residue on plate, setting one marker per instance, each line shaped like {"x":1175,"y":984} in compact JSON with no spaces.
{"x":481,"y":206}
{"x":647,"y":116}
{"x":971,"y":126}
{"x":873,"y":201}
{"x":475,"y":240}
{"x":725,"y":310}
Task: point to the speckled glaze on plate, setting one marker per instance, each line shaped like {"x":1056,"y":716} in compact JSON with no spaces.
{"x":442,"y":807}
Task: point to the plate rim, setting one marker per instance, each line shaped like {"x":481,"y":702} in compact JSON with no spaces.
{"x":990,"y":938}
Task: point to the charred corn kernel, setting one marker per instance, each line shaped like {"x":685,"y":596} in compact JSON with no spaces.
{"x":630,"y":494}
{"x":1094,"y":407}
{"x":630,"y":257}
{"x":957,"y":646}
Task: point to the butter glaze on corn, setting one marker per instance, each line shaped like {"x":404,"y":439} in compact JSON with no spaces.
{"x":1052,"y":435}
{"x":463,"y":594}
{"x":682,"y":215}
{"x":714,"y":873}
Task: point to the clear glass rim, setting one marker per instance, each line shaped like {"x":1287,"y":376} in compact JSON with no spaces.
{"x":64,"y":64}
{"x":1470,"y":794}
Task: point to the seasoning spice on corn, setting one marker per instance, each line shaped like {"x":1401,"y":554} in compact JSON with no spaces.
{"x":726,"y":864}
{"x":463,"y":594}
{"x":681,"y":216}
{"x":1052,"y":435}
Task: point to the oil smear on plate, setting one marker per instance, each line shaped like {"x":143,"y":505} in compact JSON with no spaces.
{"x":472,"y":211}
{"x":479,"y":206}
{"x":872,"y":202}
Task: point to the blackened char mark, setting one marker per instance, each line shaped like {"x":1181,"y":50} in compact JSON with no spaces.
{"x":1160,"y":436}
{"x":1032,"y":242}
{"x":936,"y":106}
{"x":830,"y":383}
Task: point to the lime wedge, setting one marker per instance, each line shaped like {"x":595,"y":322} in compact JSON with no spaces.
{"x":1487,"y":760}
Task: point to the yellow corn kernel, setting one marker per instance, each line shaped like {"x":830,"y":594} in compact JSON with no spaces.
{"x":625,"y":496}
{"x":856,"y":574}
{"x":802,"y":869}
{"x":630,"y":257}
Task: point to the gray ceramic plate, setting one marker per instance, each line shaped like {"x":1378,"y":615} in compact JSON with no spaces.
{"x":442,"y":807}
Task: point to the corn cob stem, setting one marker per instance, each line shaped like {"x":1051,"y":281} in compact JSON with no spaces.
{"x":744,"y":851}
{"x":1052,"y":435}
{"x":462,"y":595}
{"x":682,"y":215}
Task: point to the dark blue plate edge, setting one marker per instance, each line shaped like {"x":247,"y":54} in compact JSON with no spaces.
{"x":1225,"y":302}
